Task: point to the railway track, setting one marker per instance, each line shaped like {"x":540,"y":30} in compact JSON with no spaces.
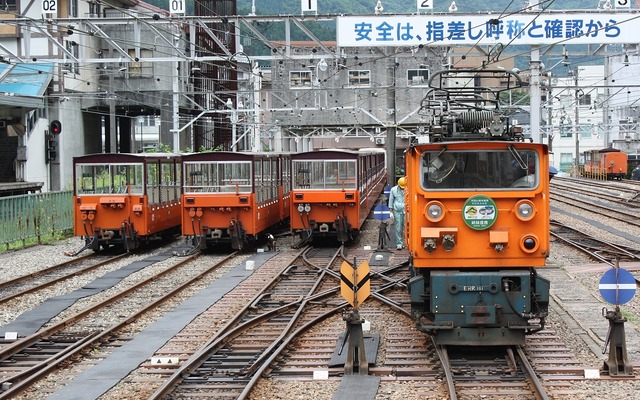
{"x":598,"y":249}
{"x":54,"y":274}
{"x":478,"y":373}
{"x":27,"y":360}
{"x":305,"y":293}
{"x":290,"y":329}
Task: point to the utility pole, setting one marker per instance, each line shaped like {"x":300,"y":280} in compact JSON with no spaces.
{"x":535,"y":93}
{"x":576,"y":121}
{"x":391,"y":119}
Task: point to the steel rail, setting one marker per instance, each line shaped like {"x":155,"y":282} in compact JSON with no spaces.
{"x":45,"y":367}
{"x":58,"y":279}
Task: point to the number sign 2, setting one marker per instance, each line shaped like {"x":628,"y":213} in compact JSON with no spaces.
{"x":425,"y":4}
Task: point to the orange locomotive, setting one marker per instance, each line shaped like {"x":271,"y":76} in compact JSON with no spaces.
{"x":333,"y":191}
{"x":477,"y":199}
{"x":126,"y":199}
{"x":605,"y":164}
{"x":232,"y":197}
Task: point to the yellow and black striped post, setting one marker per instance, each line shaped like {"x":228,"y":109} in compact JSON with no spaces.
{"x":355,"y":286}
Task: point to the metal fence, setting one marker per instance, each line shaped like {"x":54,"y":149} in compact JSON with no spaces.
{"x":35,"y":218}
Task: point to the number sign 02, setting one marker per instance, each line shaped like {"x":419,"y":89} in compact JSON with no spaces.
{"x":49,"y":6}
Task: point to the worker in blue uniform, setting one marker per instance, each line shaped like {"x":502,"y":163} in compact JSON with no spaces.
{"x":396,"y":205}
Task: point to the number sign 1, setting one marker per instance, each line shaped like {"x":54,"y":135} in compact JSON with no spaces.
{"x":176,"y":6}
{"x":309,"y":5}
{"x":49,"y":6}
{"x":425,"y":4}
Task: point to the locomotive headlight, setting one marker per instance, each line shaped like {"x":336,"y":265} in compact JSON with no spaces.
{"x":529,"y":243}
{"x":307,"y":207}
{"x":300,"y":208}
{"x":525,"y":210}
{"x":434,"y":211}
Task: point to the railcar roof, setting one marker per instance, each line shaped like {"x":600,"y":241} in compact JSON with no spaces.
{"x":107,"y":158}
{"x":229,"y":156}
{"x":340,"y":154}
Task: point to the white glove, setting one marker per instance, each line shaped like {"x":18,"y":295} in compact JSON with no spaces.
{"x":391,"y":218}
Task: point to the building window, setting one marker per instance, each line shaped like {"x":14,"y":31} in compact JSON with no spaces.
{"x":566,"y":161}
{"x":585,"y":100}
{"x":71,"y":65}
{"x":94,"y":9}
{"x":300,"y":79}
{"x":360,"y":78}
{"x":10,"y":5}
{"x":417,"y":77}
{"x":73,"y":8}
{"x":566,"y":130}
{"x":140,"y":68}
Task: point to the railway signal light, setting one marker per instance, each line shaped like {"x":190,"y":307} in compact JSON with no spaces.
{"x":51,"y":153}
{"x":55,"y":127}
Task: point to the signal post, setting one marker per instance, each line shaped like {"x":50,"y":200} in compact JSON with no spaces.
{"x":355,"y":288}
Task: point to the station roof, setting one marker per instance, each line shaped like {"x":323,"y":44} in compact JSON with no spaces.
{"x":23,"y":85}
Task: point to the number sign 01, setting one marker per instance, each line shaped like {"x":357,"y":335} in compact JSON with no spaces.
{"x":176,"y":6}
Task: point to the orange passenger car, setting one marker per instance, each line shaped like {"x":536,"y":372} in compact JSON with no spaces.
{"x":232,"y":198}
{"x":126,"y":199}
{"x":333,"y":191}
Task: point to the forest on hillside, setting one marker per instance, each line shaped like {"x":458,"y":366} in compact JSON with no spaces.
{"x":292,"y":7}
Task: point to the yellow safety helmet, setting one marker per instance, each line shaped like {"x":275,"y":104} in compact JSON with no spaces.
{"x":402,"y":182}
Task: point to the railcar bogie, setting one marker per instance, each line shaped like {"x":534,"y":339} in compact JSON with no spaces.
{"x":125,"y":200}
{"x":333,"y":192}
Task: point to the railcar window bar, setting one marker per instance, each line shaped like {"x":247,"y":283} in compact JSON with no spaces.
{"x":323,"y":174}
{"x":109,"y":179}
{"x":217,"y":177}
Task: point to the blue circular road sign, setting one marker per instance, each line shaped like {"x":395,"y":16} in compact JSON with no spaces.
{"x":381,"y":212}
{"x":617,"y":286}
{"x":386,"y":191}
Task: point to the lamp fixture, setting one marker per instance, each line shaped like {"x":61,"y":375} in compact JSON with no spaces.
{"x":453,"y":7}
{"x":379,"y":9}
{"x":322,"y":65}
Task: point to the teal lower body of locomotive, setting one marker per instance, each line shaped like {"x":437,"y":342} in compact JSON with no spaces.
{"x":496,"y":307}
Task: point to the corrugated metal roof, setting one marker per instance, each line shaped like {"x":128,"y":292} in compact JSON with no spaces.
{"x":23,"y":85}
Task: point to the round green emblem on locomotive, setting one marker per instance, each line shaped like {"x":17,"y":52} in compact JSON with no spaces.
{"x":479,"y":212}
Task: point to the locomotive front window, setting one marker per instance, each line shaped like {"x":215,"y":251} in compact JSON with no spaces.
{"x":507,"y":169}
{"x":109,"y":179}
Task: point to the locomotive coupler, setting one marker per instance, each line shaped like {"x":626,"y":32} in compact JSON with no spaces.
{"x":618,"y":363}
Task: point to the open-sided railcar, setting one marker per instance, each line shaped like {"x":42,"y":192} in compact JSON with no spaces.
{"x":126,"y":199}
{"x":233,"y":197}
